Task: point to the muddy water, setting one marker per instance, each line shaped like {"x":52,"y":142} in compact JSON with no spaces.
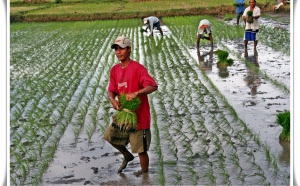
{"x":255,"y":100}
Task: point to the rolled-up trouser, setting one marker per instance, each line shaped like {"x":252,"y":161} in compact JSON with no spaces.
{"x":139,"y":139}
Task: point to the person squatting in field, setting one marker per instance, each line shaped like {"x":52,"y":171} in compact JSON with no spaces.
{"x":250,"y":16}
{"x":239,"y":9}
{"x":132,"y":79}
{"x":204,"y":28}
{"x":280,"y":3}
{"x":152,"y":22}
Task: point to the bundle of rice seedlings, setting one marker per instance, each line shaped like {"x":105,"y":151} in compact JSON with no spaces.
{"x":126,"y":118}
{"x":222,"y":64}
{"x":249,"y":16}
{"x":234,"y":4}
{"x":223,"y":61}
{"x":283,"y":119}
{"x":222,"y":55}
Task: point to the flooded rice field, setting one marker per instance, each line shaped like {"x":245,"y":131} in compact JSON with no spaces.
{"x":210,"y":126}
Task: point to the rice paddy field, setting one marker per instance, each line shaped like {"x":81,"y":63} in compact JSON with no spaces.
{"x":210,"y":126}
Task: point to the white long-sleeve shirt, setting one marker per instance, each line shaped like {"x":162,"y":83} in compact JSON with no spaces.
{"x":152,"y":20}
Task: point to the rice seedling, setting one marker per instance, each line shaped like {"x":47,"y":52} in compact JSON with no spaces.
{"x":283,"y":119}
{"x":126,"y":118}
{"x":160,"y":156}
{"x":183,"y":116}
{"x":250,"y":16}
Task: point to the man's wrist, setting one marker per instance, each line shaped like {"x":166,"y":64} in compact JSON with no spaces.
{"x":136,"y":93}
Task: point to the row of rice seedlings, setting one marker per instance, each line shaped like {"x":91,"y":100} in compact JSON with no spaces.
{"x":157,"y":143}
{"x":30,"y":116}
{"x":27,"y":91}
{"x":40,"y":144}
{"x":152,"y":69}
{"x":165,"y":130}
{"x":90,"y":129}
{"x":272,"y":36}
{"x":90,"y":96}
{"x":182,"y":134}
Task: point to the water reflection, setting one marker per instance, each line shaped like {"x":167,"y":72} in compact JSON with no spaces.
{"x":205,"y":60}
{"x":144,"y":179}
{"x":223,"y":72}
{"x":285,"y":153}
{"x":253,"y":78}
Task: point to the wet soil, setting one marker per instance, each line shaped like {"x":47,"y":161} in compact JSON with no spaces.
{"x":255,"y":99}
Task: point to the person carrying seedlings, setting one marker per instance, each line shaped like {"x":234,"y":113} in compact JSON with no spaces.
{"x":239,"y":9}
{"x":250,"y":16}
{"x":204,"y":32}
{"x":129,"y":84}
{"x":152,"y":22}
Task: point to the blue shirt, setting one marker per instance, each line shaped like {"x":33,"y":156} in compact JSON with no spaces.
{"x":240,"y":8}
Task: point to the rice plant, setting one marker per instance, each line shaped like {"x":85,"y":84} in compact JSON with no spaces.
{"x":283,"y":119}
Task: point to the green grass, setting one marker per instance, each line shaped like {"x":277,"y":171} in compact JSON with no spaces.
{"x":72,"y":10}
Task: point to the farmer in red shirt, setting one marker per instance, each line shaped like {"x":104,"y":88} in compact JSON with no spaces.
{"x":132,"y":79}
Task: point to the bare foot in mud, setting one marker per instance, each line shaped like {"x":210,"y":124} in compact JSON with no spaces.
{"x":139,"y":172}
{"x":125,"y":162}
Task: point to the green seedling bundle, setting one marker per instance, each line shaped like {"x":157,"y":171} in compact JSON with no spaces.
{"x":125,"y":118}
{"x":250,"y":16}
{"x":283,"y":119}
{"x":223,"y":59}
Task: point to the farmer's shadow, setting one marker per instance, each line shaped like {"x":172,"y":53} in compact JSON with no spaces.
{"x":253,"y":78}
{"x":205,"y":60}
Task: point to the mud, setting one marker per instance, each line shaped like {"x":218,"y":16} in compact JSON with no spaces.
{"x":254,"y":98}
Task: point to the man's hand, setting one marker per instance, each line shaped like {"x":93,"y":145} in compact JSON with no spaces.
{"x":131,"y":96}
{"x":113,"y":101}
{"x":115,"y":104}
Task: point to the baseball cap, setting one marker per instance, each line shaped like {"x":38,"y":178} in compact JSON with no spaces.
{"x":145,"y":20}
{"x":122,"y":41}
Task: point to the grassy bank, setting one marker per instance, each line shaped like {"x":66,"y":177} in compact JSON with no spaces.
{"x":71,"y":10}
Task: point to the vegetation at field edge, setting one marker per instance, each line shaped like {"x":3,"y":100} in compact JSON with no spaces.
{"x":70,"y":10}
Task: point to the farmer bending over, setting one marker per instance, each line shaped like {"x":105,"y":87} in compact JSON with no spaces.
{"x":132,"y":79}
{"x":250,"y":16}
{"x":204,"y":28}
{"x":152,"y":22}
{"x":280,"y":3}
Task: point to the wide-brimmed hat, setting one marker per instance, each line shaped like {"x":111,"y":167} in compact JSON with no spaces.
{"x":122,"y":41}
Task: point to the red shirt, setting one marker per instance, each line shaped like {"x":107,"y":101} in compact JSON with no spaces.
{"x":131,"y":79}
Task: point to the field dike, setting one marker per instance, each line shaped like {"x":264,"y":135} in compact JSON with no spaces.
{"x":200,"y":132}
{"x":49,"y":12}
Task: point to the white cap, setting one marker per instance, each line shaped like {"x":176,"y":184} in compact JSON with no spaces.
{"x":122,"y":41}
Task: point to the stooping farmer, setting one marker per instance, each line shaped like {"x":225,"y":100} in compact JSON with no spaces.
{"x":239,"y":9}
{"x":131,"y":79}
{"x":152,"y":22}
{"x":250,"y":16}
{"x":280,"y":3}
{"x":204,"y":32}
